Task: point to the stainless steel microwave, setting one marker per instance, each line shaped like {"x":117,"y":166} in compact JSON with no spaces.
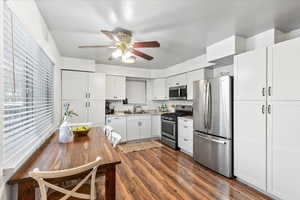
{"x":178,"y":93}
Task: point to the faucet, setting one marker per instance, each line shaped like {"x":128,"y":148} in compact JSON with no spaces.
{"x":135,"y":108}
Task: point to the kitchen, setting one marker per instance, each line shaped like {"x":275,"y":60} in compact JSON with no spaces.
{"x":199,"y":113}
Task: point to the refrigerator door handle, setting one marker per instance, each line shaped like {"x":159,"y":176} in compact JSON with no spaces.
{"x":211,"y":139}
{"x":208,"y":114}
{"x":205,"y":107}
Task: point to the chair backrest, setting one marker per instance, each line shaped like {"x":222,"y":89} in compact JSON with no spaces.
{"x":40,"y":177}
{"x":115,"y":138}
{"x":108,"y":130}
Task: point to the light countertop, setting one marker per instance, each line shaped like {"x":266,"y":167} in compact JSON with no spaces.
{"x":122,"y":114}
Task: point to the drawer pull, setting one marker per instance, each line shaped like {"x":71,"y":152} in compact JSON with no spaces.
{"x":185,"y":139}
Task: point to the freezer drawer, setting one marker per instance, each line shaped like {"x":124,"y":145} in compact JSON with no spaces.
{"x":214,"y":153}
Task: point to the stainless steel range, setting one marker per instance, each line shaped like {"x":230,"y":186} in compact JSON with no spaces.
{"x":169,"y":135}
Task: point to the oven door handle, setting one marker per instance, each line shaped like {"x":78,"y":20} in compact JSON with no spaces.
{"x":169,"y":122}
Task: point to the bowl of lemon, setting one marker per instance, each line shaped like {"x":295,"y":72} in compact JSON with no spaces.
{"x":81,"y":130}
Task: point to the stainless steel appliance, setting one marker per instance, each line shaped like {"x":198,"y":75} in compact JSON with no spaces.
{"x":169,"y":134}
{"x":178,"y":93}
{"x":213,"y":105}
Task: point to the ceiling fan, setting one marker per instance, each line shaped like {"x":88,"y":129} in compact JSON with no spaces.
{"x":125,"y":48}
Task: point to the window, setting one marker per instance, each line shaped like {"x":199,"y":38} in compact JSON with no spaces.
{"x":136,"y":91}
{"x":28,"y":92}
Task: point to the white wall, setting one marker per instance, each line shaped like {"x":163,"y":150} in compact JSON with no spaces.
{"x":123,"y":71}
{"x":77,"y":64}
{"x":291,"y":35}
{"x":189,"y":65}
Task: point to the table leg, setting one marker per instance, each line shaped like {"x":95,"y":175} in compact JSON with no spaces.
{"x":26,"y":191}
{"x":110,"y":183}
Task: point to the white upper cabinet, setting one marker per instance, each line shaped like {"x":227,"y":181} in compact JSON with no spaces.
{"x":284,"y":150}
{"x":250,"y":142}
{"x":177,"y":80}
{"x":284,"y":70}
{"x":115,"y":87}
{"x":250,"y":75}
{"x":74,"y":85}
{"x":191,"y":77}
{"x":159,"y":89}
{"x":97,"y":86}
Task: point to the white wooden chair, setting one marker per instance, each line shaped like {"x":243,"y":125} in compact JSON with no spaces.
{"x":107,"y":130}
{"x":40,"y":177}
{"x":115,"y":138}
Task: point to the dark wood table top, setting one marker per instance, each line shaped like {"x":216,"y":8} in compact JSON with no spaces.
{"x":53,"y":155}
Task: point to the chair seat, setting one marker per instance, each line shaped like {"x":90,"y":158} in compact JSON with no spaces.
{"x":84,"y":189}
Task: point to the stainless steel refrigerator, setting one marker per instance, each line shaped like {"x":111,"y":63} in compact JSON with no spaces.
{"x":212,"y":113}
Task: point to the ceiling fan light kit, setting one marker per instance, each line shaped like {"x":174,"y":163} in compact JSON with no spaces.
{"x":125,"y":49}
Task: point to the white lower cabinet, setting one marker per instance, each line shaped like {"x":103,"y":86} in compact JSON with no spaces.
{"x":119,"y":125}
{"x":250,"y":142}
{"x":156,"y":125}
{"x":185,"y":135}
{"x":145,"y":128}
{"x":284,"y":150}
{"x":138,"y":127}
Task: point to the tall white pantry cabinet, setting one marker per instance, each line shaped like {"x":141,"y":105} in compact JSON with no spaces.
{"x":85,"y":92}
{"x":267,"y":119}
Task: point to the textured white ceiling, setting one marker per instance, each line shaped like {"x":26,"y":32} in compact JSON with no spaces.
{"x":183,"y":27}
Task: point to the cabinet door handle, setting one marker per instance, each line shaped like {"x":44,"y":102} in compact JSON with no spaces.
{"x":263,"y":91}
{"x":86,"y":105}
{"x":89,"y":104}
{"x":86,"y":95}
{"x":269,"y":91}
{"x":269,"y":109}
{"x":263,"y":109}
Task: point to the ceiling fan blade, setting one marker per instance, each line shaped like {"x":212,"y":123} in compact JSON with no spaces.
{"x":146,"y":44}
{"x":141,"y":54}
{"x":110,"y":35}
{"x":97,"y":46}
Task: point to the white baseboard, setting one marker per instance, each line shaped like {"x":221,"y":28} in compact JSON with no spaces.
{"x":258,"y":189}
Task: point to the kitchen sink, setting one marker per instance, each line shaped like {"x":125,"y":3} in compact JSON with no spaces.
{"x":130,"y":112}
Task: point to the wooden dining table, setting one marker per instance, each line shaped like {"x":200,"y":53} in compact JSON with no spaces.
{"x":53,"y":155}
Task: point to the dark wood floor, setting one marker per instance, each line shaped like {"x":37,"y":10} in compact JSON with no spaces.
{"x":163,"y":174}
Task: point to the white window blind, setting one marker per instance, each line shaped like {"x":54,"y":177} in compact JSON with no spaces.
{"x":28,"y":92}
{"x":136,"y":91}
